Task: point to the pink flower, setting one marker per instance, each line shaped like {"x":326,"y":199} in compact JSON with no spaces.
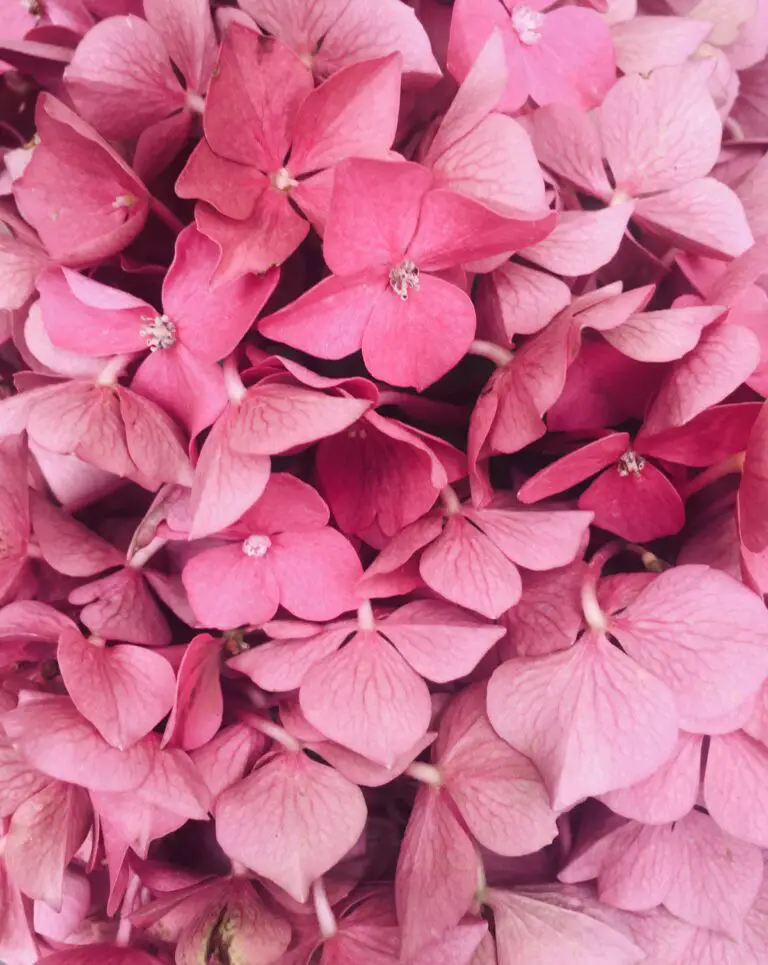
{"x":272,"y":140}
{"x":386,"y":295}
{"x":561,"y":56}
{"x":270,"y":561}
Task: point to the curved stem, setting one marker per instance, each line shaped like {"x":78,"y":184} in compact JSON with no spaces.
{"x":165,"y":214}
{"x":733,"y":464}
{"x":275,"y":733}
{"x":593,"y":614}
{"x":326,"y":920}
{"x":425,"y":773}
{"x":123,"y":936}
{"x":234,"y":384}
{"x":113,"y":370}
{"x":451,"y":502}
{"x":142,"y":556}
{"x":365,"y":618}
{"x":489,"y":350}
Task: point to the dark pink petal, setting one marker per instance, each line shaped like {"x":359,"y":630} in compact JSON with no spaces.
{"x":198,"y":704}
{"x":224,"y":760}
{"x":227,"y":588}
{"x":316,"y":572}
{"x":14,"y":499}
{"x":310,"y":817}
{"x":353,"y":114}
{"x":703,"y":216}
{"x":102,"y":954}
{"x":19,"y":780}
{"x":662,"y":131}
{"x":703,"y":633}
{"x":253,"y":99}
{"x":574,"y":62}
{"x":467,"y":568}
{"x":44,"y":834}
{"x":274,"y":418}
{"x":735,"y":786}
{"x":67,"y":545}
{"x":54,"y":737}
{"x":159,"y":144}
{"x":534,"y":539}
{"x":103,"y":206}
{"x":121,"y":79}
{"x":440,"y":641}
{"x":226,"y":482}
{"x":725,"y":356}
{"x":497,"y":791}
{"x":17,"y":939}
{"x":708,"y":438}
{"x":561,"y":711}
{"x":454,"y":229}
{"x":534,"y":925}
{"x":187,"y":32}
{"x":84,"y":316}
{"x":582,"y":241}
{"x":548,"y":616}
{"x":120,"y":607}
{"x":638,"y":507}
{"x":230,"y":188}
{"x":574,"y":468}
{"x":330,"y":319}
{"x":662,"y":336}
{"x":367,"y":698}
{"x":190,"y":390}
{"x":124,"y":691}
{"x":375,"y":209}
{"x":519,"y":300}
{"x":753,"y":489}
{"x":414,"y":342}
{"x":437,"y":858}
{"x":210,"y":322}
{"x":258,"y":243}
{"x":174,"y":783}
{"x":153,"y":440}
{"x":669,"y":793}
{"x":20,"y":265}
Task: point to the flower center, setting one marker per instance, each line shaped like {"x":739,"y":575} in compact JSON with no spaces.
{"x":527,"y":24}
{"x":282,"y":180}
{"x":630,"y":462}
{"x":124,"y":201}
{"x":159,"y":333}
{"x":33,"y":7}
{"x":256,"y":545}
{"x":405,"y":276}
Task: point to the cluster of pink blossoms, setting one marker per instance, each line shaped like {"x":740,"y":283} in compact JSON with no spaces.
{"x":383,"y":482}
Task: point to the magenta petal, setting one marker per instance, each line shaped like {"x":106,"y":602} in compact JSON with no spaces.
{"x":753,"y":490}
{"x":121,"y":79}
{"x":231,"y":188}
{"x":574,"y":468}
{"x":287,"y":504}
{"x":415,"y":341}
{"x":639,"y":507}
{"x":228,"y":588}
{"x":309,"y":591}
{"x":187,"y":31}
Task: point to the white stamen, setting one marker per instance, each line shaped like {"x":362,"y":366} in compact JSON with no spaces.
{"x":33,"y":7}
{"x":256,"y":545}
{"x":630,"y":462}
{"x":527,"y":24}
{"x":282,"y":180}
{"x":160,"y":333}
{"x":403,"y":277}
{"x":124,"y":201}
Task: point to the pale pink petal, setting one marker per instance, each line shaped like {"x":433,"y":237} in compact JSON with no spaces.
{"x":210,"y":322}
{"x":467,"y":568}
{"x":282,"y":665}
{"x":662,"y":131}
{"x":367,"y":698}
{"x":224,"y":760}
{"x":120,"y":607}
{"x":496,"y":790}
{"x":353,"y":114}
{"x":17,"y":939}
{"x":226,"y":482}
{"x":437,"y":858}
{"x":703,"y":633}
{"x":735,"y":786}
{"x":330,"y":319}
{"x":198,"y":703}
{"x":228,"y":588}
{"x":187,"y":32}
{"x":375,"y":210}
{"x":725,"y":356}
{"x":440,"y":641}
{"x":44,"y":834}
{"x":568,"y":142}
{"x":154,"y":441}
{"x":415,"y":341}
{"x":58,"y":741}
{"x":639,"y":507}
{"x":574,"y":467}
{"x":287,"y":504}
{"x":583,"y":241}
{"x":20,"y":265}
{"x":703,"y":216}
{"x":668,"y":794}
{"x":534,"y":926}
{"x":19,"y":780}
{"x":159,"y":144}
{"x":517,"y":300}
{"x":120,"y":78}
{"x":174,"y":784}
{"x":124,"y":691}
{"x":310,"y":816}
{"x":662,"y":336}
{"x":535,"y":539}
{"x":644,"y":43}
{"x":76,"y":904}
{"x":589,"y":718}
{"x":548,"y":616}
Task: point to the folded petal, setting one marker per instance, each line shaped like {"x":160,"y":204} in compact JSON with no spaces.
{"x":198,"y":703}
{"x":582,"y":241}
{"x":535,"y":539}
{"x":517,"y":300}
{"x":662,"y":336}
